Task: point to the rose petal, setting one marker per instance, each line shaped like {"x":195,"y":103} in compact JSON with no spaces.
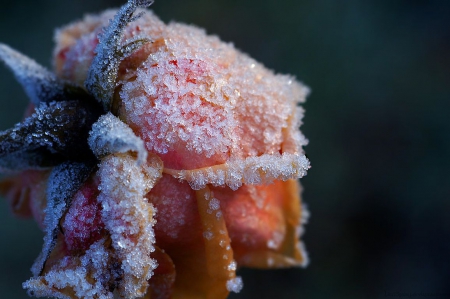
{"x":264,"y":224}
{"x":162,"y":282}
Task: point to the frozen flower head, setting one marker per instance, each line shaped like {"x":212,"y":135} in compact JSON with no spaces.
{"x":157,"y":159}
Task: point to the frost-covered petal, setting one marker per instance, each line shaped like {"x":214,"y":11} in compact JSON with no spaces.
{"x":161,"y":284}
{"x":220,"y":264}
{"x":192,"y":99}
{"x":109,"y":135}
{"x":129,"y":218}
{"x":73,"y":277}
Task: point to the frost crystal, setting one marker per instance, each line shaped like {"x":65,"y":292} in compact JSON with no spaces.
{"x":235,"y":284}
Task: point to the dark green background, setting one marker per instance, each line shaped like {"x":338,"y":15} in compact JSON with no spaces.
{"x":377,"y":121}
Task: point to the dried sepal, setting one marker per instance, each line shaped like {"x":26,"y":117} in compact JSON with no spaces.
{"x":64,"y":180}
{"x":109,"y":135}
{"x":39,"y":84}
{"x":24,"y":159}
{"x":53,"y":130}
{"x":131,"y":46}
{"x":102,"y":75}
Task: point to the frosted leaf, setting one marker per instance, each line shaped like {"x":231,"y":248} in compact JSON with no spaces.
{"x":64,"y":181}
{"x":53,"y":130}
{"x":101,"y":79}
{"x":23,"y":159}
{"x":109,"y":135}
{"x":129,"y":217}
{"x":39,"y":83}
{"x":252,"y":170}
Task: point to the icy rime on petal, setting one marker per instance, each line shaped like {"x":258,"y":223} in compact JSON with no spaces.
{"x":65,"y":179}
{"x":199,"y":102}
{"x":129,"y":217}
{"x":109,"y":135}
{"x":102,"y":75}
{"x":253,"y":170}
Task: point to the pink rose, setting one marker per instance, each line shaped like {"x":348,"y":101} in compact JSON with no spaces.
{"x":188,"y":172}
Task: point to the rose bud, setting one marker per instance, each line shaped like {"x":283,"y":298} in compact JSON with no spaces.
{"x":156,"y":158}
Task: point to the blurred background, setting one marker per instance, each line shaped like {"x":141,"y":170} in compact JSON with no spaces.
{"x":377,"y":120}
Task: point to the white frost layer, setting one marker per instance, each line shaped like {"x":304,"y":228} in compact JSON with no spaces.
{"x":109,"y":135}
{"x":253,"y":170}
{"x":200,"y":94}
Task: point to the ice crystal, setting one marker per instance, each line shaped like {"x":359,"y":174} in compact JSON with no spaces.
{"x":235,"y":285}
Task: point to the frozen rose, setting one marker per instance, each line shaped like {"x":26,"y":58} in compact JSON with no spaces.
{"x":198,"y":153}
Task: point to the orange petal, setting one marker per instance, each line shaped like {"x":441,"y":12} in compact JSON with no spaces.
{"x":17,"y":195}
{"x":264,"y":224}
{"x":206,"y":269}
{"x":163,"y":279}
{"x":26,"y":193}
{"x":219,"y":255}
